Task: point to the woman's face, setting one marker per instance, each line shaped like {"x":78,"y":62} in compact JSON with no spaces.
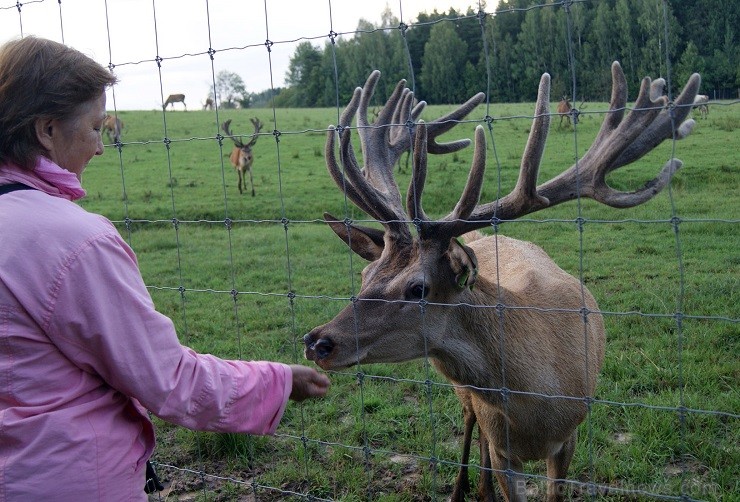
{"x":76,"y":140}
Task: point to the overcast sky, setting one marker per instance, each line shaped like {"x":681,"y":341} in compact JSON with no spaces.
{"x":131,"y":33}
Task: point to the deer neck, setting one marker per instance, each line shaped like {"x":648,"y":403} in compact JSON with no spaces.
{"x":470,"y":353}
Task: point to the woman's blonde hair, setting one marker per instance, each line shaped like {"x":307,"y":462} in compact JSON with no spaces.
{"x":40,"y":78}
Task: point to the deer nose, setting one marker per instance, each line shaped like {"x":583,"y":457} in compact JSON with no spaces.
{"x":321,"y":348}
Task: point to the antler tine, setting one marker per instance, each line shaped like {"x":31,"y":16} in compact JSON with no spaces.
{"x":455,"y":223}
{"x":617,"y":105}
{"x":345,"y":119}
{"x":342,"y":181}
{"x":405,"y":116}
{"x":384,"y":207}
{"x":443,"y":124}
{"x":525,"y":192}
{"x":663,"y":127}
{"x":524,"y":198}
{"x":226,"y":126}
{"x":377,"y":149}
{"x":338,"y":176}
{"x":257,"y":123}
{"x":419,"y":175}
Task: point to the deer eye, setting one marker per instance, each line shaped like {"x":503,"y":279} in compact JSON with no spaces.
{"x":417,"y":291}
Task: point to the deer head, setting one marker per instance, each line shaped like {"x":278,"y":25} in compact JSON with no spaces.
{"x":432,"y":265}
{"x":257,"y":123}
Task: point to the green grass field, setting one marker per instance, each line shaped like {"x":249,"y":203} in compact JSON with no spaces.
{"x":665,"y":422}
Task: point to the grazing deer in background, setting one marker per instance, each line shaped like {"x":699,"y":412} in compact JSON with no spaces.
{"x":208,"y":105}
{"x":700,"y":102}
{"x":241,"y":156}
{"x":175,"y":98}
{"x":113,"y":125}
{"x":521,"y":339}
{"x":564,"y":108}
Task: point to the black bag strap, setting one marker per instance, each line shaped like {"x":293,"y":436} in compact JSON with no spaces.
{"x":12,"y":187}
{"x":152,"y":480}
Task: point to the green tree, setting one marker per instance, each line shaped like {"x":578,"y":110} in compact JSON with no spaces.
{"x":604,"y":36}
{"x":689,"y":63}
{"x":627,"y":41}
{"x":442,"y":65}
{"x":230,"y":91}
{"x":304,"y":74}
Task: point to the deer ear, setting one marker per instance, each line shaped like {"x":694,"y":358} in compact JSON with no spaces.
{"x":463,"y":262}
{"x":365,"y":241}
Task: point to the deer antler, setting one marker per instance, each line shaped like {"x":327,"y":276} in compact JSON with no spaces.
{"x":619,"y":142}
{"x":257,"y":128}
{"x":226,"y":127}
{"x":373,"y":188}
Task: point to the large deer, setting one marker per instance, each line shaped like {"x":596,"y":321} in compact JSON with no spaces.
{"x":241,"y":155}
{"x":174,"y":98}
{"x":521,"y":340}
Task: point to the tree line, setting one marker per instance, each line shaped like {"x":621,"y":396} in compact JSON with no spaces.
{"x":447,"y":57}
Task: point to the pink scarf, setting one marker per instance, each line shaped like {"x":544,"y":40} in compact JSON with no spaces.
{"x":47,"y":177}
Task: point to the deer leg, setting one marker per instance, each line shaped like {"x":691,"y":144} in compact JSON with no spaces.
{"x":557,"y":469}
{"x":485,"y":482}
{"x":508,"y":473}
{"x":239,"y":172}
{"x":251,"y":182}
{"x":462,"y":483}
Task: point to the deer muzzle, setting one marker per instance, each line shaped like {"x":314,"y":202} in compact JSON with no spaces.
{"x":317,"y":349}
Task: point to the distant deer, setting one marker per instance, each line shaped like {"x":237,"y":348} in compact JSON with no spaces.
{"x":113,"y":125}
{"x":521,"y":339}
{"x":564,"y":108}
{"x":175,"y":98}
{"x":241,"y":155}
{"x":700,"y":102}
{"x":208,"y":105}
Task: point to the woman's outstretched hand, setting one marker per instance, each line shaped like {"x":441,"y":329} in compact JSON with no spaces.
{"x":307,"y":382}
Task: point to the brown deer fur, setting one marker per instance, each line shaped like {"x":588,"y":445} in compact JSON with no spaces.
{"x":112,"y":125}
{"x":564,"y":108}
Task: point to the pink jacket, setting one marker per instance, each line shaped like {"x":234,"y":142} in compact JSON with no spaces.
{"x":84,"y":354}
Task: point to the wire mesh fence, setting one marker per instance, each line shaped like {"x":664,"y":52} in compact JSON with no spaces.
{"x":239,"y":274}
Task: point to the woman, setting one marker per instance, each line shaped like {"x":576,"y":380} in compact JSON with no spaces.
{"x":83,"y":352}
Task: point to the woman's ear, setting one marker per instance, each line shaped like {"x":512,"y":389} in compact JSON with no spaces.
{"x":44,"y":131}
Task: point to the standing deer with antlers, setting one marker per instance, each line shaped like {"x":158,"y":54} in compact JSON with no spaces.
{"x":241,"y":155}
{"x":521,"y":339}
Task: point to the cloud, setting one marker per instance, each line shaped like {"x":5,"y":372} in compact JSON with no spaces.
{"x":162,"y":47}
